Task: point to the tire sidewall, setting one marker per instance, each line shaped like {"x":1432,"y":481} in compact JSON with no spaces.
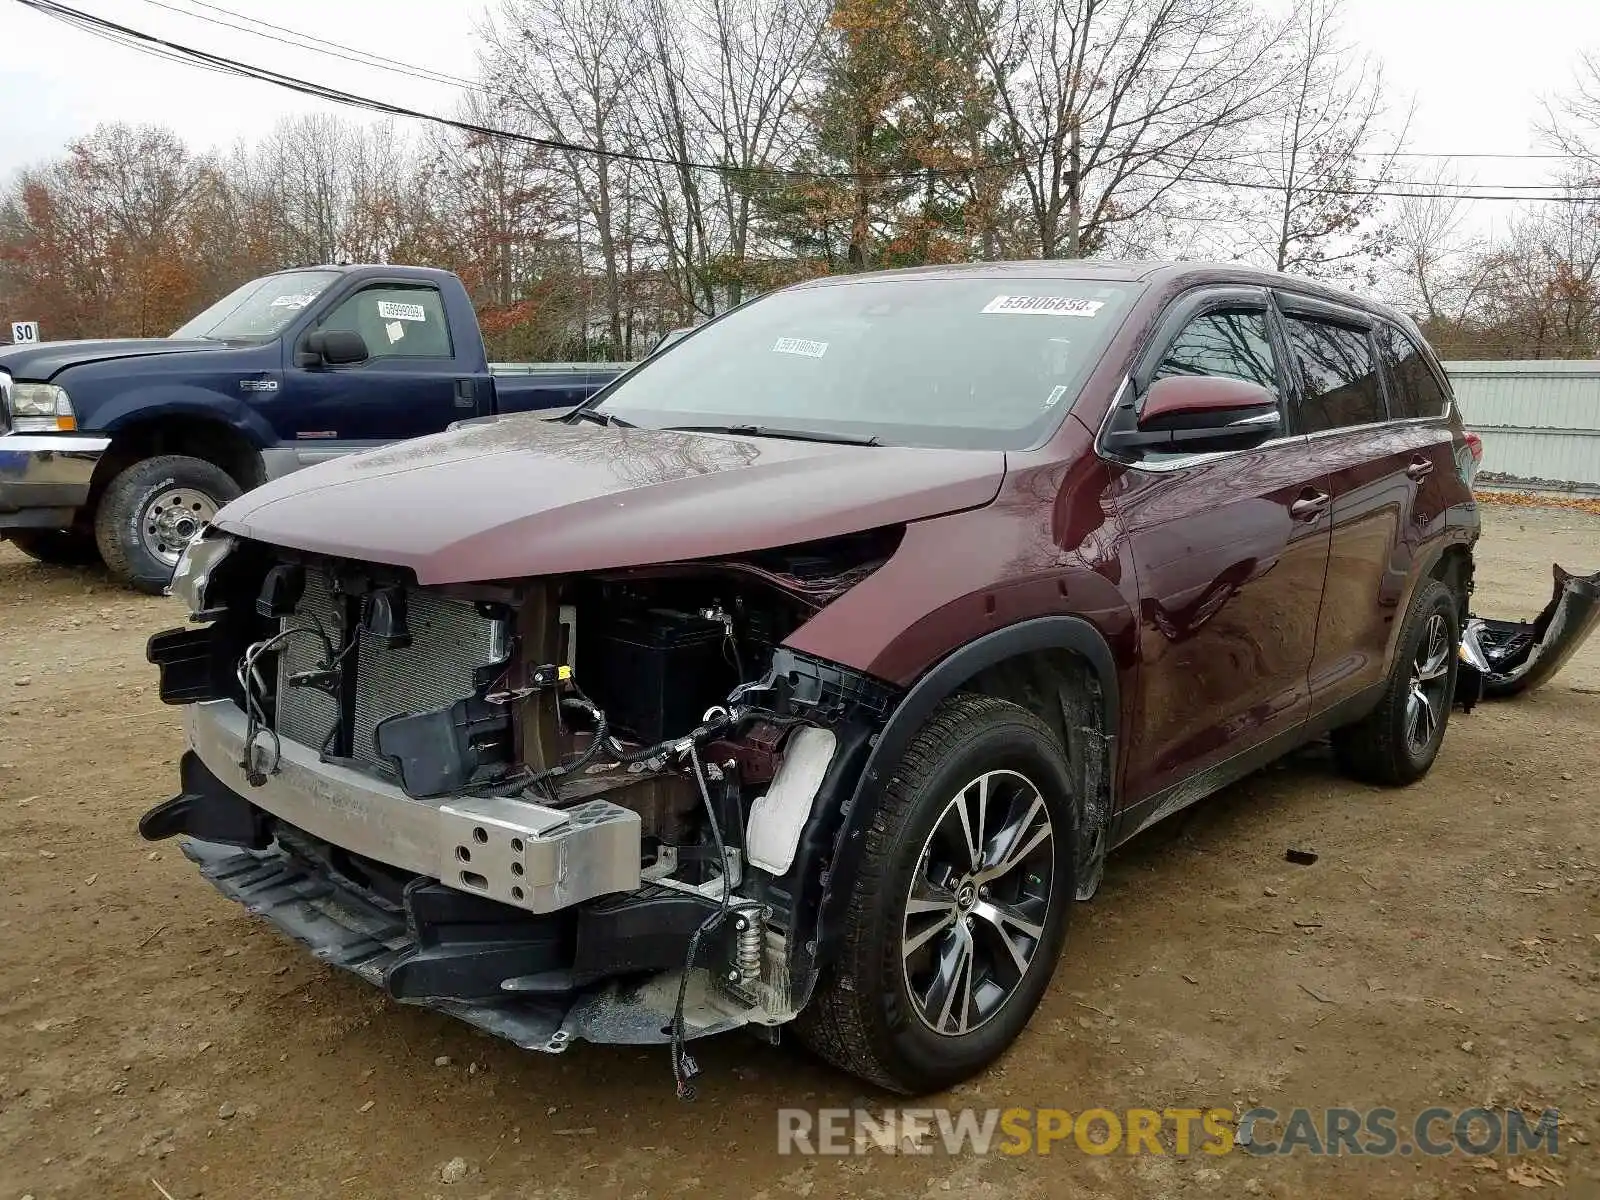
{"x":917,"y":1049}
{"x":128,"y":499}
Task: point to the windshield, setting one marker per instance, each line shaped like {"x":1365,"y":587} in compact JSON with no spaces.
{"x":967,"y":362}
{"x":258,"y":311}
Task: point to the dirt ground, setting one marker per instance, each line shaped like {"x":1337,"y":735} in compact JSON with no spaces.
{"x":1444,"y":950}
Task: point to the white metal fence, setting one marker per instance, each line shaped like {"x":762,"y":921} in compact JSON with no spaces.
{"x":1539,"y":420}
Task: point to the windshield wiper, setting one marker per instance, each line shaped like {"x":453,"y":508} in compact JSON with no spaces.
{"x":772,"y":431}
{"x":583,"y":413}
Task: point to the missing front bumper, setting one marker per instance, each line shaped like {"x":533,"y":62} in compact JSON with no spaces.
{"x":411,"y":952}
{"x":518,"y":853}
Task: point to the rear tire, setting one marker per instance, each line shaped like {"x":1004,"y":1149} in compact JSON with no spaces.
{"x":57,"y":547}
{"x":994,"y":929}
{"x":152,"y":510}
{"x":1397,"y":742}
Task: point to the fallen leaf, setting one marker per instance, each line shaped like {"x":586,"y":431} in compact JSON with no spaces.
{"x":1524,"y":1174}
{"x":1192,"y":979}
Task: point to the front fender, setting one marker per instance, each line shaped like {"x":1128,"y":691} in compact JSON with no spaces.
{"x":141,"y":404}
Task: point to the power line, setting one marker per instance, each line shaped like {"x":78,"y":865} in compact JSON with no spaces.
{"x":307,"y":41}
{"x":165,"y":48}
{"x":179,"y":52}
{"x":317,"y":45}
{"x":1467,"y":154}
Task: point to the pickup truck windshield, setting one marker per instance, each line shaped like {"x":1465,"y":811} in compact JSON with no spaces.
{"x":258,"y":311}
{"x":971,"y":362}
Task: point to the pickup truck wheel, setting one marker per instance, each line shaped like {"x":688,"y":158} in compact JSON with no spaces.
{"x":1397,"y":742}
{"x":959,"y":910}
{"x":58,"y":547}
{"x":152,"y":510}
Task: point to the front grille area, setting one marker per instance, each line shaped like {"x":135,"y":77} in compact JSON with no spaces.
{"x":450,"y":640}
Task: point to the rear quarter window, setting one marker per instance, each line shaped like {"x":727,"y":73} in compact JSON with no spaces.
{"x":1416,"y":391}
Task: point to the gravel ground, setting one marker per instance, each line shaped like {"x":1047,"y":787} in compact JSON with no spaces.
{"x":1445,"y":949}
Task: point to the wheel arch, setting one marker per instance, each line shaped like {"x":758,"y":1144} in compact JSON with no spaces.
{"x":205,"y":437}
{"x":1029,"y":663}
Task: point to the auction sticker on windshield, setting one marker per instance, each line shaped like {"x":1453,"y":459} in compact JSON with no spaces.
{"x":389,"y":310}
{"x":800,"y":346}
{"x":1044,"y":306}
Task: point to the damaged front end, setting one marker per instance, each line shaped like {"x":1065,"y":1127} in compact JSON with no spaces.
{"x":597,"y":807}
{"x":1506,"y":658}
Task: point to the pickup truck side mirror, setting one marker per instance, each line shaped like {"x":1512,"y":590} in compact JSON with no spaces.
{"x":1199,"y":413}
{"x":333,"y":347}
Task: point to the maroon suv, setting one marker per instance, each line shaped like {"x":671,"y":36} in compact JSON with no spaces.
{"x":808,"y":673}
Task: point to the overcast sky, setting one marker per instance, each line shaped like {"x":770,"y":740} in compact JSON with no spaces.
{"x":1477,"y":68}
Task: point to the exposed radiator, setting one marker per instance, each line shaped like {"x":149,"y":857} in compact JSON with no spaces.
{"x":450,"y":640}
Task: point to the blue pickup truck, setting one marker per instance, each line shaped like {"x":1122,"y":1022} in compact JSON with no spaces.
{"x":123,"y":449}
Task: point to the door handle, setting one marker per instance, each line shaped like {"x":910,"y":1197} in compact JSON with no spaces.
{"x":1309,"y":508}
{"x":1420,"y":468}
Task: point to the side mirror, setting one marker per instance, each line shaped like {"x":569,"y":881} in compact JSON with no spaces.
{"x":335,"y":347}
{"x":1199,"y":413}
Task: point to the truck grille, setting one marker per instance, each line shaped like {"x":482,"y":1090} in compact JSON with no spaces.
{"x":450,"y":640}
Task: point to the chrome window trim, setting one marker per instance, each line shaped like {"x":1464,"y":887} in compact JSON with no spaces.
{"x":1210,"y":456}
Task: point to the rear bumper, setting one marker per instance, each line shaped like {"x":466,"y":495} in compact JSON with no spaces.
{"x":45,"y":477}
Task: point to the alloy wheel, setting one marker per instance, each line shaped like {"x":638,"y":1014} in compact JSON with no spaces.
{"x":976,"y":909}
{"x":1430,"y":671}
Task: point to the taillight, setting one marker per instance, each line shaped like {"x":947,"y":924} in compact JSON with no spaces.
{"x":1475,"y":449}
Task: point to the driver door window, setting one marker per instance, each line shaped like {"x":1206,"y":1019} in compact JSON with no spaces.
{"x":1230,"y":344}
{"x":395,"y":322}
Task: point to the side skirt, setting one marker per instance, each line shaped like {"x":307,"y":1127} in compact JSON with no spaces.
{"x":1139,"y":817}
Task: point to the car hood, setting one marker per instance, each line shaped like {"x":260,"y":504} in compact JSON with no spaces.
{"x":522,"y":496}
{"x":44,"y":361}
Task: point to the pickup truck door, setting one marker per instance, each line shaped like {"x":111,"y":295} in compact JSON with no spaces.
{"x":412,"y":383}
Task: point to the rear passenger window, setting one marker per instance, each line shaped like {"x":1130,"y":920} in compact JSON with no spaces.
{"x":1234,"y":345}
{"x":1341,"y":379}
{"x":1416,"y":391}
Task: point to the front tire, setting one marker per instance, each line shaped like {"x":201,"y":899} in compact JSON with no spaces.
{"x":959,"y":910}
{"x":152,"y":510}
{"x":1397,"y":742}
{"x":56,"y":547}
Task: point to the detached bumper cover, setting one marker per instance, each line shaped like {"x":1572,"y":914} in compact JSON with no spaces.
{"x":45,"y":476}
{"x":1518,"y":656}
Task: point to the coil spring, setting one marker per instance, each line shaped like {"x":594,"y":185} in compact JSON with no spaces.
{"x":747,"y":947}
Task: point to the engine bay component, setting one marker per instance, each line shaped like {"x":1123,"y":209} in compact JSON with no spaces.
{"x":653,"y":670}
{"x":778,"y":816}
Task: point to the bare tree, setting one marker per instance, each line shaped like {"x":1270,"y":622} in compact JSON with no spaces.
{"x":1434,"y":275}
{"x":1572,"y":121}
{"x":1111,"y":108}
{"x":724,"y":83}
{"x":1326,"y":152}
{"x":567,"y":68}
